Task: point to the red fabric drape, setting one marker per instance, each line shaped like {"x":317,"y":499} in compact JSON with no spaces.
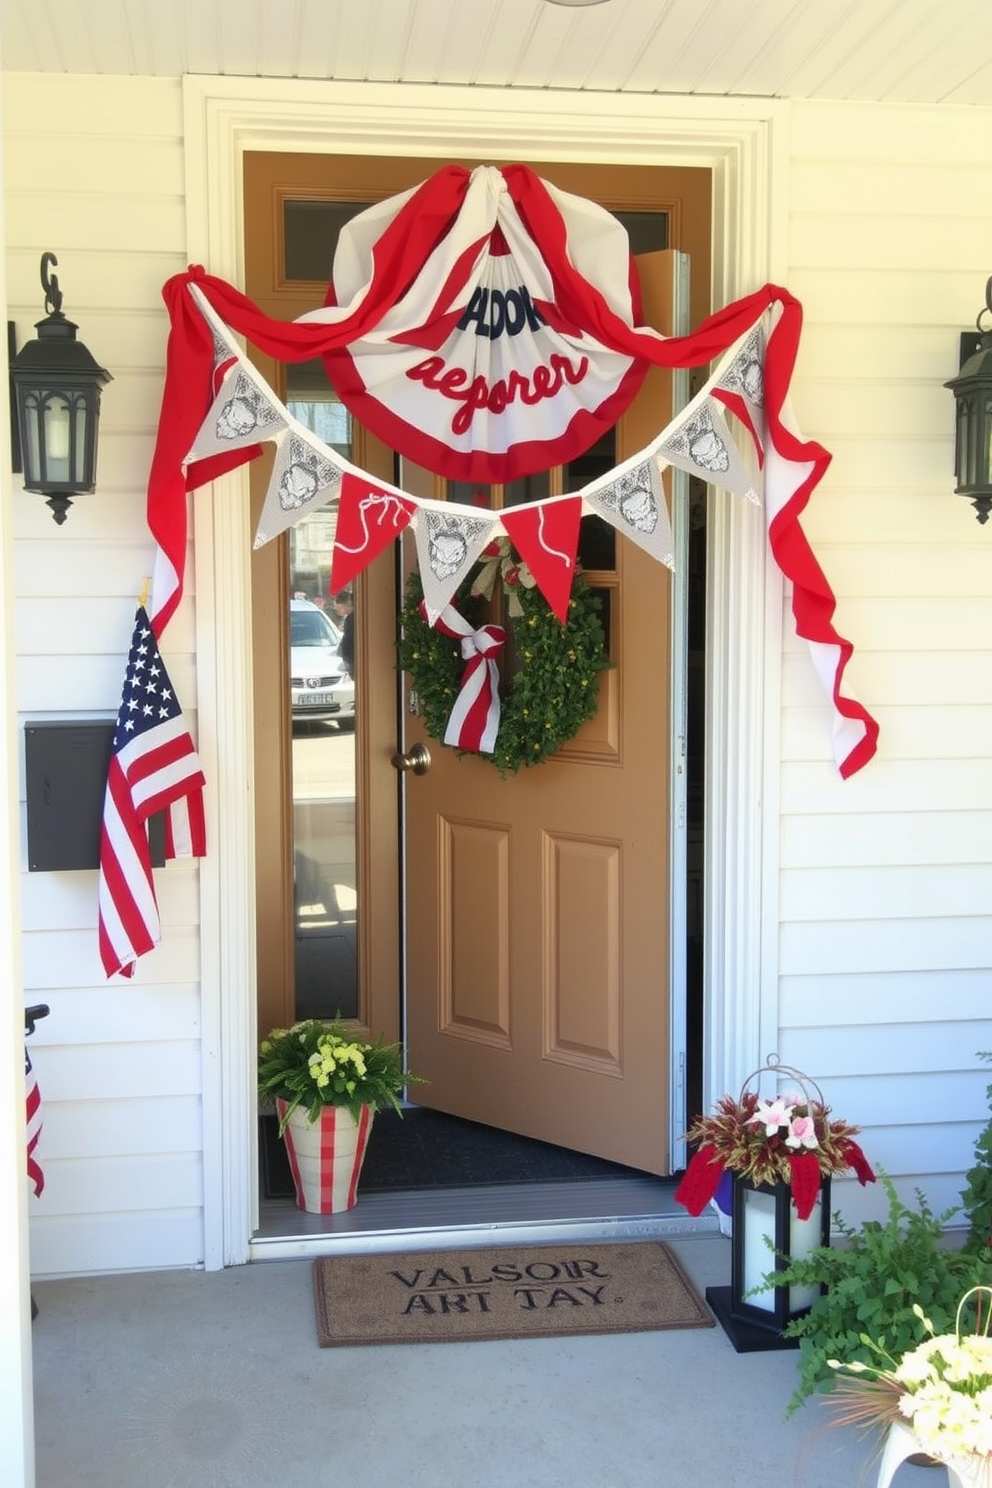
{"x":793,"y":464}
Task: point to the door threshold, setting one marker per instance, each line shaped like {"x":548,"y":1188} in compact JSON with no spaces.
{"x":506,"y":1214}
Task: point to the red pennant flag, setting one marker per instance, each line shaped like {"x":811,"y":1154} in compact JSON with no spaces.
{"x":370,"y":517}
{"x":546,"y":537}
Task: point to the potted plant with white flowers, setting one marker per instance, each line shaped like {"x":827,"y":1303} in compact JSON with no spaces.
{"x":934,"y":1399}
{"x":327,"y":1084}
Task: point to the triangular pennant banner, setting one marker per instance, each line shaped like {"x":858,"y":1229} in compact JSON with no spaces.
{"x":226,"y":349}
{"x":740,"y":385}
{"x":700,"y":442}
{"x":243,"y":413}
{"x":369,"y":518}
{"x":303,"y":480}
{"x":546,"y":537}
{"x":449,"y":540}
{"x":632,"y":498}
{"x":521,"y":259}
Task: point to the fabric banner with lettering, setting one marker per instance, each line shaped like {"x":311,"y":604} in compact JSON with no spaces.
{"x":477,"y":371}
{"x":428,"y":297}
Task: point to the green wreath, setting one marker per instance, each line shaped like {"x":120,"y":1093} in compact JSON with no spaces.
{"x":552,"y":694}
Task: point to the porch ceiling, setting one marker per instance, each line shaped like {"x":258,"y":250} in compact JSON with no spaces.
{"x":896,"y":51}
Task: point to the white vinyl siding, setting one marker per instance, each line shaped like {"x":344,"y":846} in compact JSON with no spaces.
{"x":885,"y":938}
{"x":94,"y":173}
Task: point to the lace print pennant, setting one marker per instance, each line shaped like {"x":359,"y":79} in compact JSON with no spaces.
{"x":246,"y":412}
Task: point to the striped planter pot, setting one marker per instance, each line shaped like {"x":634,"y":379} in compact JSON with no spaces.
{"x":326,"y":1156}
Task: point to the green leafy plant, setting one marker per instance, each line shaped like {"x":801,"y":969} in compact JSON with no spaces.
{"x":555,"y":683}
{"x":872,"y":1280}
{"x":315,"y":1064}
{"x":976,"y":1197}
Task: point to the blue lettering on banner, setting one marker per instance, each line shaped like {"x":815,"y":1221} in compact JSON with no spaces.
{"x":492,"y":312}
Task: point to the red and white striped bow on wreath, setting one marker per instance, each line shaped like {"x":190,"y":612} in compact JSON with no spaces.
{"x":474,"y":720}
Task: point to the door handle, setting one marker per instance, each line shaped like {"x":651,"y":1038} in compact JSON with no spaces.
{"x":417,"y":760}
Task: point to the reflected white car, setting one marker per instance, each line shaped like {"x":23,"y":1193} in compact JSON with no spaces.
{"x":319,"y":688}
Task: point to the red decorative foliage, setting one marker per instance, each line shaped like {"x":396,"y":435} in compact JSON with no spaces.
{"x":805,"y":1182}
{"x":700,"y":1180}
{"x":857,"y":1160}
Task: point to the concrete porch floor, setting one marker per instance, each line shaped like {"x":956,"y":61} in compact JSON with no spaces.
{"x":194,"y":1380}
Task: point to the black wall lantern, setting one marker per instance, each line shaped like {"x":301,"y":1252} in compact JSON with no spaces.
{"x":56,"y":385}
{"x":972,"y":389}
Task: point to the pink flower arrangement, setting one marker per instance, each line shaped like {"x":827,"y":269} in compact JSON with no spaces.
{"x":789,"y":1139}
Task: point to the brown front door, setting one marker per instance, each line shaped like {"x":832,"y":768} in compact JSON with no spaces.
{"x":574,"y":853}
{"x":538,"y":947}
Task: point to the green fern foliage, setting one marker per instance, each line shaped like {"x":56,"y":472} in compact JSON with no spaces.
{"x":976,"y":1196}
{"x":872,"y":1278}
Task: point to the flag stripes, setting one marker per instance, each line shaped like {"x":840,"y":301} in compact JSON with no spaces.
{"x":35,"y":1173}
{"x":153,"y":767}
{"x":153,"y":775}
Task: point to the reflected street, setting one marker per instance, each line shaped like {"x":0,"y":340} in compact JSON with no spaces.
{"x":323,"y":763}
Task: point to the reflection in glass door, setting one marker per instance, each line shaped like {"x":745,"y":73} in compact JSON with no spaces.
{"x":322,"y":685}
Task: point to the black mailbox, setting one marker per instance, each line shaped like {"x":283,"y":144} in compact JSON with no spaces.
{"x":66,"y":777}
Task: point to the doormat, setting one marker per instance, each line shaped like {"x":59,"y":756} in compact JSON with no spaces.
{"x":426,"y":1149}
{"x":453,"y":1296}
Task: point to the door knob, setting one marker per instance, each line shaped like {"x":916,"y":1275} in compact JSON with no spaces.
{"x":417,"y":760}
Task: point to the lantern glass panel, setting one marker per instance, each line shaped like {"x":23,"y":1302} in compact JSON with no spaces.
{"x":81,"y":472}
{"x":759,"y":1242}
{"x":964,"y":472}
{"x":56,"y":414}
{"x":804,"y":1236}
{"x":30,"y":430}
{"x":770,"y":1224}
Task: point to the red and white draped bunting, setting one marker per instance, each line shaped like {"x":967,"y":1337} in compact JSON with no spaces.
{"x":432,"y":292}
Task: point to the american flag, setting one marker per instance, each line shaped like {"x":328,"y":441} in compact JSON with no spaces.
{"x":153,"y":765}
{"x":35,"y":1173}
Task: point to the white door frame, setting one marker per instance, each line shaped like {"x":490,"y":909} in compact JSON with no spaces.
{"x":744,"y":143}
